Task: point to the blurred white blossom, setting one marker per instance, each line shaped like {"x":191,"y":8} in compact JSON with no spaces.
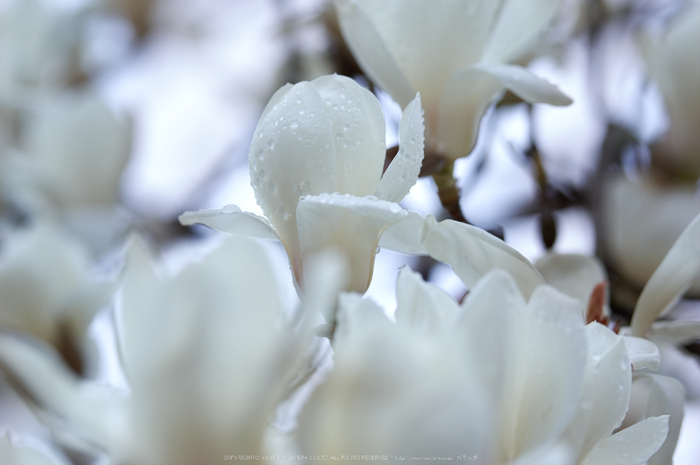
{"x":674,"y":65}
{"x":205,"y":353}
{"x":497,"y":377}
{"x":455,"y":53}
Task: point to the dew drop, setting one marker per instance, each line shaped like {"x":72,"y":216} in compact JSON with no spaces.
{"x":294,"y":124}
{"x":328,"y":101}
{"x":261,"y":174}
{"x":342,"y":95}
{"x":271,"y":144}
{"x":283,"y":213}
{"x":271,"y":187}
{"x":301,"y":111}
{"x":304,"y":187}
{"x":230,"y":209}
{"x":298,"y":101}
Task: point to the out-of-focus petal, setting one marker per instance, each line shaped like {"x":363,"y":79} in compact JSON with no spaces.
{"x":427,"y":41}
{"x":574,"y":275}
{"x":666,"y":397}
{"x":403,"y":171}
{"x":232,"y":220}
{"x":79,"y":149}
{"x":518,"y":25}
{"x":96,"y":411}
{"x":636,"y":443}
{"x":406,"y":235}
{"x":364,"y":39}
{"x":19,"y":454}
{"x":490,"y":324}
{"x":526,"y":85}
{"x":351,"y":225}
{"x":676,"y":273}
{"x":464,"y":100}
{"x":676,"y":332}
{"x":422,"y":306}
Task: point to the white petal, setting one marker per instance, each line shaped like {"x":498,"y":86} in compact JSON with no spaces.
{"x":642,"y":353}
{"x":574,"y":275}
{"x":473,"y":252}
{"x":286,"y":163}
{"x":358,"y":317}
{"x":325,"y":276}
{"x":678,"y":270}
{"x":550,"y":361}
{"x":466,"y":95}
{"x":667,"y":397}
{"x":518,"y":25}
{"x":526,"y":85}
{"x":406,"y":235}
{"x":606,"y":389}
{"x":96,"y":411}
{"x":232,"y":220}
{"x":219,"y":345}
{"x":631,"y":446}
{"x":350,"y":225}
{"x":427,"y":41}
{"x":367,"y":45}
{"x":80,"y":149}
{"x":490,"y":325}
{"x":676,"y":332}
{"x":403,"y":171}
{"x":421,"y":305}
{"x":358,"y":129}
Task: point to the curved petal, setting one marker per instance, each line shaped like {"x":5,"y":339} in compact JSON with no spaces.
{"x":370,"y":51}
{"x":574,"y":275}
{"x":676,"y":332}
{"x":421,"y":305}
{"x":667,"y":397}
{"x":232,"y":220}
{"x":358,"y":128}
{"x":606,"y":390}
{"x":465,"y":98}
{"x":676,"y":273}
{"x":427,"y":41}
{"x":642,"y":353}
{"x":19,"y":454}
{"x":490,"y":325}
{"x":526,"y":85}
{"x":550,"y":360}
{"x":635,"y":445}
{"x":406,"y":235}
{"x":518,"y":25}
{"x":403,"y":171}
{"x":473,"y":252}
{"x":351,"y":225}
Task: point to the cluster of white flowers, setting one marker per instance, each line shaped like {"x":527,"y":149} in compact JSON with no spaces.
{"x":218,"y":366}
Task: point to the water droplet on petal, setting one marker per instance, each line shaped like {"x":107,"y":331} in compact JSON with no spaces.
{"x":304,"y":187}
{"x":271,"y":144}
{"x":230,"y":209}
{"x":301,"y":111}
{"x":294,"y":124}
{"x":283,"y":213}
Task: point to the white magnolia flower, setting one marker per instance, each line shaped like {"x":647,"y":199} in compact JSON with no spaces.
{"x":76,"y":150}
{"x":499,"y":377}
{"x":455,"y":53}
{"x":674,"y":64}
{"x":47,"y":290}
{"x":316,"y":167}
{"x":205,"y":354}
